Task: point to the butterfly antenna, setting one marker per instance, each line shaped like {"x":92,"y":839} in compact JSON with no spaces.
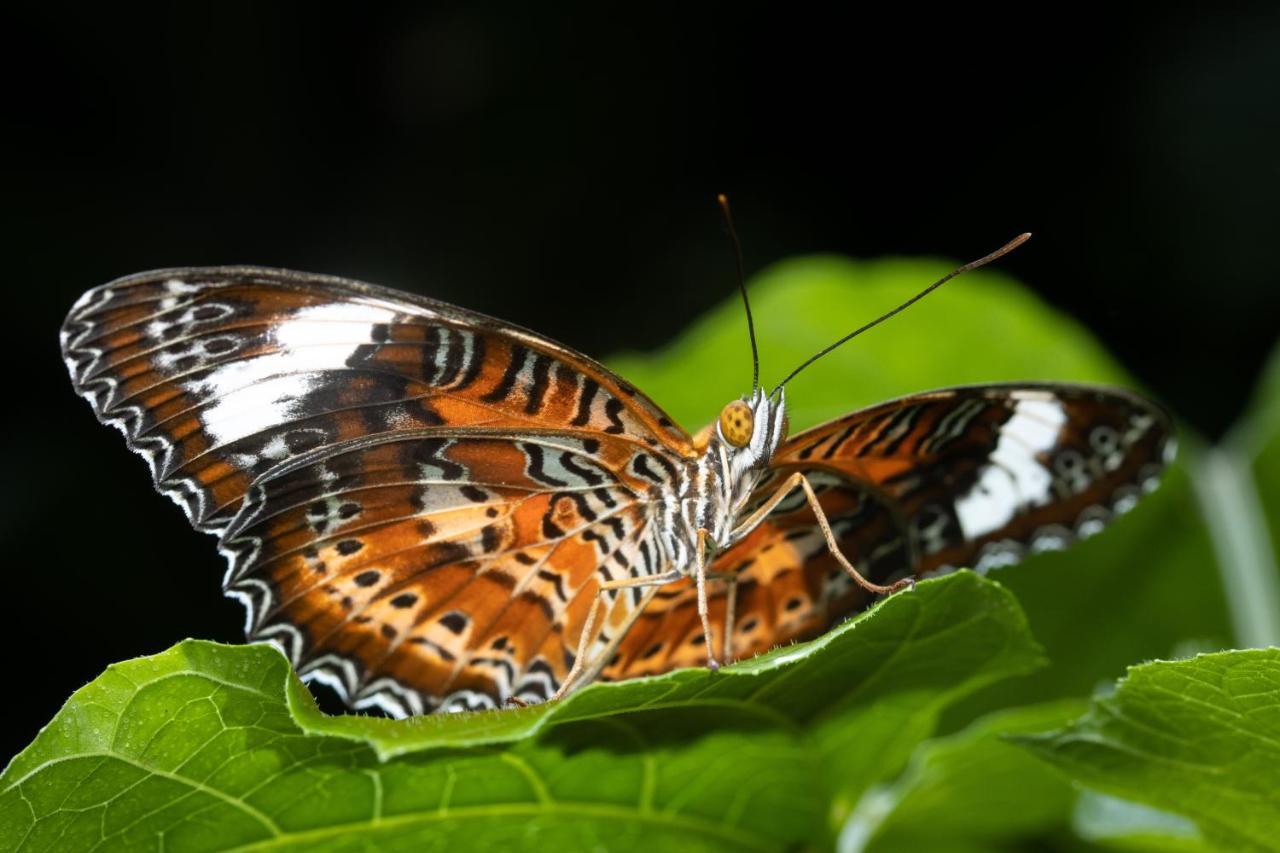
{"x":972,"y":265}
{"x":742,"y":285}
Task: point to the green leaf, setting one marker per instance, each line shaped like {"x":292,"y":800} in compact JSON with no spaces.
{"x":971,"y":790}
{"x":1199,"y":737}
{"x":213,"y":747}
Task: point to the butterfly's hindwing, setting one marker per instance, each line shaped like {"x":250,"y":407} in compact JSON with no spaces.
{"x":447,"y":563}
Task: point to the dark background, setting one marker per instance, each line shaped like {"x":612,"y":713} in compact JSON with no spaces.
{"x":559,"y":171}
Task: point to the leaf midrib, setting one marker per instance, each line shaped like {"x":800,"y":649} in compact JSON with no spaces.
{"x":563,"y":808}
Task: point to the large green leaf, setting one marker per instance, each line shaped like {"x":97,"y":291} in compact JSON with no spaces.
{"x":212,"y":747}
{"x":1199,"y":737}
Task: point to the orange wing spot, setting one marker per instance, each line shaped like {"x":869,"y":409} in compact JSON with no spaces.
{"x":421,"y":662}
{"x":879,"y":470}
{"x":458,"y":411}
{"x":319,"y":613}
{"x":163,"y":401}
{"x":436,"y":590}
{"x":518,"y":632}
{"x":500,"y":462}
{"x":561,"y":403}
{"x":578,"y":561}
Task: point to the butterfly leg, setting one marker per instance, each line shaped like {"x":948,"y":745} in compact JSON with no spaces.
{"x":590,"y":673}
{"x":590,"y":632}
{"x":798,"y":479}
{"x":700,"y":577}
{"x":731,"y":603}
{"x":834,"y":547}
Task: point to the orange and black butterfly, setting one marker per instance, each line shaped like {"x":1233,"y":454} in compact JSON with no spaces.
{"x":429,"y":509}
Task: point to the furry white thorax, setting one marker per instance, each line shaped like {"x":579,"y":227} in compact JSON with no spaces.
{"x":713,"y":489}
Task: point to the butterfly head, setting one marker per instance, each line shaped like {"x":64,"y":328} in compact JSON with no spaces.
{"x":750,"y":430}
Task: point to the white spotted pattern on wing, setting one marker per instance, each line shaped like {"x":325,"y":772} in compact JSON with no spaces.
{"x":391,"y":697}
{"x":1015,"y":478}
{"x":256,"y":394}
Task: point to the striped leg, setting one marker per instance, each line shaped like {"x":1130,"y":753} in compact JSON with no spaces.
{"x":731,"y":604}
{"x":798,"y":479}
{"x":700,"y":577}
{"x":590,"y":673}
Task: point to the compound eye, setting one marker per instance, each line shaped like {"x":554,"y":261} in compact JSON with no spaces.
{"x":737,"y":423}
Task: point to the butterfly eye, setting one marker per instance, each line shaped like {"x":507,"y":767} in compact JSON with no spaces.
{"x":736,"y":423}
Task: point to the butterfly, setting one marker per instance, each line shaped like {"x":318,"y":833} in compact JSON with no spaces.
{"x":429,"y":509}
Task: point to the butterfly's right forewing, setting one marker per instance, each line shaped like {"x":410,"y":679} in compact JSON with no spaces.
{"x":964,"y":477}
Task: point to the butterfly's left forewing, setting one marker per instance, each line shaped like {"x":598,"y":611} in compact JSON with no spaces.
{"x":418,"y":501}
{"x":982,"y":475}
{"x":217,"y":374}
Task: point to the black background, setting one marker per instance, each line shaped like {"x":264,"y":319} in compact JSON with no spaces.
{"x":559,"y":170}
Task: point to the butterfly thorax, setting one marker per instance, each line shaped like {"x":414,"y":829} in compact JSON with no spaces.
{"x":713,"y":488}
